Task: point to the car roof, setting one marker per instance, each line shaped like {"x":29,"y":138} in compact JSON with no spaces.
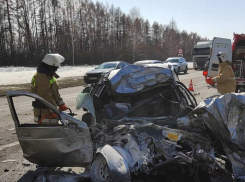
{"x":147,"y":61}
{"x":175,"y":57}
{"x":113,"y":62}
{"x":136,"y":74}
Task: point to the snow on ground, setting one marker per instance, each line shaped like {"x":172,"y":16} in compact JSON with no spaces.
{"x":20,"y":75}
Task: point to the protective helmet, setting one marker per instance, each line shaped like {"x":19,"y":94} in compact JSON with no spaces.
{"x":222,"y":56}
{"x":53,"y":60}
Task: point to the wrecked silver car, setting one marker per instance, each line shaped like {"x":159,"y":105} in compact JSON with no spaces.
{"x":124,"y":139}
{"x":143,"y":93}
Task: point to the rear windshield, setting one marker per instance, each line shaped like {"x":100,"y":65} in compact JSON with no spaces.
{"x":172,"y":61}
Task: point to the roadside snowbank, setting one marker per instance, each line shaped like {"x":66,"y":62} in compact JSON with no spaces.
{"x":20,"y":75}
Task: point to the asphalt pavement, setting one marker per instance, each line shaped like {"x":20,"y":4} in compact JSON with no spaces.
{"x":13,"y":167}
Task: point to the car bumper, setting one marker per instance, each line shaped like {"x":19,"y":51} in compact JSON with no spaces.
{"x":91,"y":79}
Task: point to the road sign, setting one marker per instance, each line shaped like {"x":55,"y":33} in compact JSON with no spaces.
{"x":180,"y":51}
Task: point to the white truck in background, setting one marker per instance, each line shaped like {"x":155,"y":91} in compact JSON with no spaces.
{"x":201,"y":54}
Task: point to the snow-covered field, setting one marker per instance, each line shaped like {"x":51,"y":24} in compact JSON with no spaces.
{"x":20,"y":75}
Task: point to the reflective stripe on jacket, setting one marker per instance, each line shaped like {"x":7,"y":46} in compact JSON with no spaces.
{"x":53,"y":79}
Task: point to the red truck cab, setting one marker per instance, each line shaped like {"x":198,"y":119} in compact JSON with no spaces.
{"x":235,"y":52}
{"x":238,"y":60}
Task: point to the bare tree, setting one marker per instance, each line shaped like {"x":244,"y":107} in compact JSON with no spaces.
{"x":136,"y":28}
{"x":172,"y":38}
{"x":84,"y":33}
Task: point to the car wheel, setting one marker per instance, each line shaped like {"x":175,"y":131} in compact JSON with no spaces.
{"x":100,"y":170}
{"x":186,"y":70}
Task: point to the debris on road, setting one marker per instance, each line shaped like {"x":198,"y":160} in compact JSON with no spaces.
{"x":26,"y":164}
{"x":11,"y":129}
{"x":196,"y":93}
{"x":9,"y":160}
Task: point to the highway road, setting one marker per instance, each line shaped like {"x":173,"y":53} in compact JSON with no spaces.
{"x":13,"y":167}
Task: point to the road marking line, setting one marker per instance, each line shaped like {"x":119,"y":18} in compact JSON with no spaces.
{"x":9,"y":145}
{"x":11,"y":129}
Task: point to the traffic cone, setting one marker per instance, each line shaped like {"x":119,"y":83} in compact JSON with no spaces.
{"x":191,"y":86}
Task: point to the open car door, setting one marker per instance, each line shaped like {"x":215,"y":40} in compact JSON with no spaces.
{"x":219,"y":45}
{"x":65,"y":144}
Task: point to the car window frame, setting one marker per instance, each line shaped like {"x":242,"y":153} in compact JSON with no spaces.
{"x":122,"y":66}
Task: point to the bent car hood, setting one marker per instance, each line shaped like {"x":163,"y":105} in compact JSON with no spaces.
{"x":135,"y":78}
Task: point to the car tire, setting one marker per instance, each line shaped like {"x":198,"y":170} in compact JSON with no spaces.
{"x":100,"y":170}
{"x":186,"y":69}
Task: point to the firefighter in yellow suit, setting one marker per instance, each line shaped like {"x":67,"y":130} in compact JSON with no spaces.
{"x":225,"y":81}
{"x":44,"y":84}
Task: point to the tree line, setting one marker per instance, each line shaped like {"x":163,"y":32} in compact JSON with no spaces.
{"x":84,"y":32}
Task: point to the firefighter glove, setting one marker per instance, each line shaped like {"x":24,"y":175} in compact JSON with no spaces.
{"x":63,"y":107}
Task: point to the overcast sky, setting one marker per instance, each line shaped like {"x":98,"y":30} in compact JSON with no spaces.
{"x":209,"y":18}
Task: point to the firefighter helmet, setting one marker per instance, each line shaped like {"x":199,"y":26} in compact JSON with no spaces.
{"x":53,"y":60}
{"x":222,"y":56}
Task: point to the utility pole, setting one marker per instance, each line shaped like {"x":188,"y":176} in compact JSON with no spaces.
{"x":72,"y":29}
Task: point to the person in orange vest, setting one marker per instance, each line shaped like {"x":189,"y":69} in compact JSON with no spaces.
{"x":45,"y":85}
{"x":225,"y":81}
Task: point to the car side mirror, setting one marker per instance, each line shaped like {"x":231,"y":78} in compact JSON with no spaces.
{"x":181,"y":62}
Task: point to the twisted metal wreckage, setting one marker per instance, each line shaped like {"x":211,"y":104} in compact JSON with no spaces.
{"x":141,"y":123}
